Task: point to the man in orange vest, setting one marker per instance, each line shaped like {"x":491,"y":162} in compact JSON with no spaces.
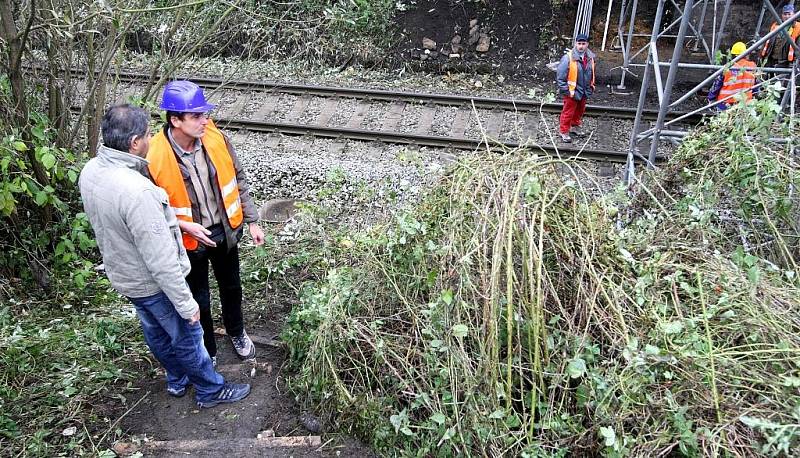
{"x":575,"y":78}
{"x":740,"y":78}
{"x":207,"y":188}
{"x":777,"y":51}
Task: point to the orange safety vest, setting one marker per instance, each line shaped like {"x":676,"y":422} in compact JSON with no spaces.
{"x":739,"y":78}
{"x":572,"y":76}
{"x":794,"y":32}
{"x":166,"y":174}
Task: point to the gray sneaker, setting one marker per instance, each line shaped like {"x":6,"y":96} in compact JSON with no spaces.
{"x":176,"y":392}
{"x":244,"y":346}
{"x":230,"y":392}
{"x":576,"y":132}
{"x":566,"y":138}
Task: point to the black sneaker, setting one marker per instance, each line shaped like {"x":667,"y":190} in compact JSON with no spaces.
{"x":244,"y":346}
{"x":230,"y":392}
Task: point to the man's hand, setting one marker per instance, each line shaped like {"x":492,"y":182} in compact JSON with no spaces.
{"x":256,"y":233}
{"x":195,"y":318}
{"x":197,"y":231}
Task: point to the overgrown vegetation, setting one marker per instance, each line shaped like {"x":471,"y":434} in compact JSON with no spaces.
{"x":58,"y":366}
{"x":514,"y":313}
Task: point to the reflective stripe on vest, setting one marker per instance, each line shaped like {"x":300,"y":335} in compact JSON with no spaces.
{"x":739,"y":78}
{"x":794,"y":32}
{"x":572,"y":76}
{"x":165,"y":172}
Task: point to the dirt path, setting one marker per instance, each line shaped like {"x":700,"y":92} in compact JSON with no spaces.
{"x":164,"y":426}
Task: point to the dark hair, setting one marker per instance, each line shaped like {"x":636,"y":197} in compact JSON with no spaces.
{"x":177,"y":114}
{"x":121,"y":124}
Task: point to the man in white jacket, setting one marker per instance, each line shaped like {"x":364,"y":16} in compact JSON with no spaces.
{"x":138,"y":235}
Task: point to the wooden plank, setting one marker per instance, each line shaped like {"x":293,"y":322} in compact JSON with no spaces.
{"x":242,"y":446}
{"x":459,"y":125}
{"x":358,"y":116}
{"x":299,"y":107}
{"x":290,"y":441}
{"x":393,"y":116}
{"x":328,"y":110}
{"x":425,"y":120}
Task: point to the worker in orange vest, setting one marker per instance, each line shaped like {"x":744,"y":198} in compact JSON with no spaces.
{"x":740,"y":78}
{"x":207,"y":188}
{"x":777,"y":51}
{"x":575,"y":77}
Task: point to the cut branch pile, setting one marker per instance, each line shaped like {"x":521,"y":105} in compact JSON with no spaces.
{"x":514,"y":312}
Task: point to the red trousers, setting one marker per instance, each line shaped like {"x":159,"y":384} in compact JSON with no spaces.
{"x":571,"y":114}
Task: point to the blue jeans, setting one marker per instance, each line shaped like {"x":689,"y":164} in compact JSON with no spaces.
{"x":178,"y":346}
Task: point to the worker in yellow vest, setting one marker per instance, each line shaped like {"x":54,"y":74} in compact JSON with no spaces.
{"x":777,"y":51}
{"x":207,"y":188}
{"x":739,"y":79}
{"x":575,"y":78}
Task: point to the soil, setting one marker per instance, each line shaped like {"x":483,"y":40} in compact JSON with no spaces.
{"x":521,"y":34}
{"x":150,"y":414}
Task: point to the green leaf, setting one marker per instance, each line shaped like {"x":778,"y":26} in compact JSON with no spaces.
{"x":439,"y":418}
{"x":609,"y":436}
{"x":576,"y":368}
{"x":41,"y":198}
{"x":73,"y":176}
{"x":673,"y":327}
{"x":20,"y":146}
{"x":448,"y":434}
{"x":48,"y":160}
{"x":497,"y":414}
{"x":753,"y":274}
{"x":460,"y":330}
{"x":447,"y":296}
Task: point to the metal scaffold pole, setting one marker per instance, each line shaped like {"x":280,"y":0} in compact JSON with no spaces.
{"x":673,"y":70}
{"x":626,"y":53}
{"x":633,"y":148}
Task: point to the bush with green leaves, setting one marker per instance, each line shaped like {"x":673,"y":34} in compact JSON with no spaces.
{"x":42,"y":227}
{"x":515,"y":313}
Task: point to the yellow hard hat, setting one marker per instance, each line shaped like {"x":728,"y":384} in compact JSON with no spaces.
{"x":738,"y":48}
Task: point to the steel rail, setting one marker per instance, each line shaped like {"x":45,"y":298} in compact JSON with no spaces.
{"x":420,"y":140}
{"x":412,"y":97}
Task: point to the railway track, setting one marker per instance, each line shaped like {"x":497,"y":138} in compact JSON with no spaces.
{"x":439,"y":120}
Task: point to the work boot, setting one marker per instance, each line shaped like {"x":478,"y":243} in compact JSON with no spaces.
{"x":566,"y":138}
{"x":244,"y":346}
{"x":230,"y":392}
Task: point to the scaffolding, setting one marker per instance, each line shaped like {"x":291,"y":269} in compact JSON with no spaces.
{"x":692,"y":34}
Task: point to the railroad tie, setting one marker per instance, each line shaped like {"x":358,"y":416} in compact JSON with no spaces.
{"x":237,"y":107}
{"x":358,"y":116}
{"x":299,"y":107}
{"x":266,"y":108}
{"x":425,"y":121}
{"x":459,"y":126}
{"x":328,"y":110}
{"x":393,"y":116}
{"x":494,"y":124}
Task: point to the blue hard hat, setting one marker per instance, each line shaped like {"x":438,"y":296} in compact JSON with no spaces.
{"x":788,"y":8}
{"x":582,"y":37}
{"x":184,"y":97}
